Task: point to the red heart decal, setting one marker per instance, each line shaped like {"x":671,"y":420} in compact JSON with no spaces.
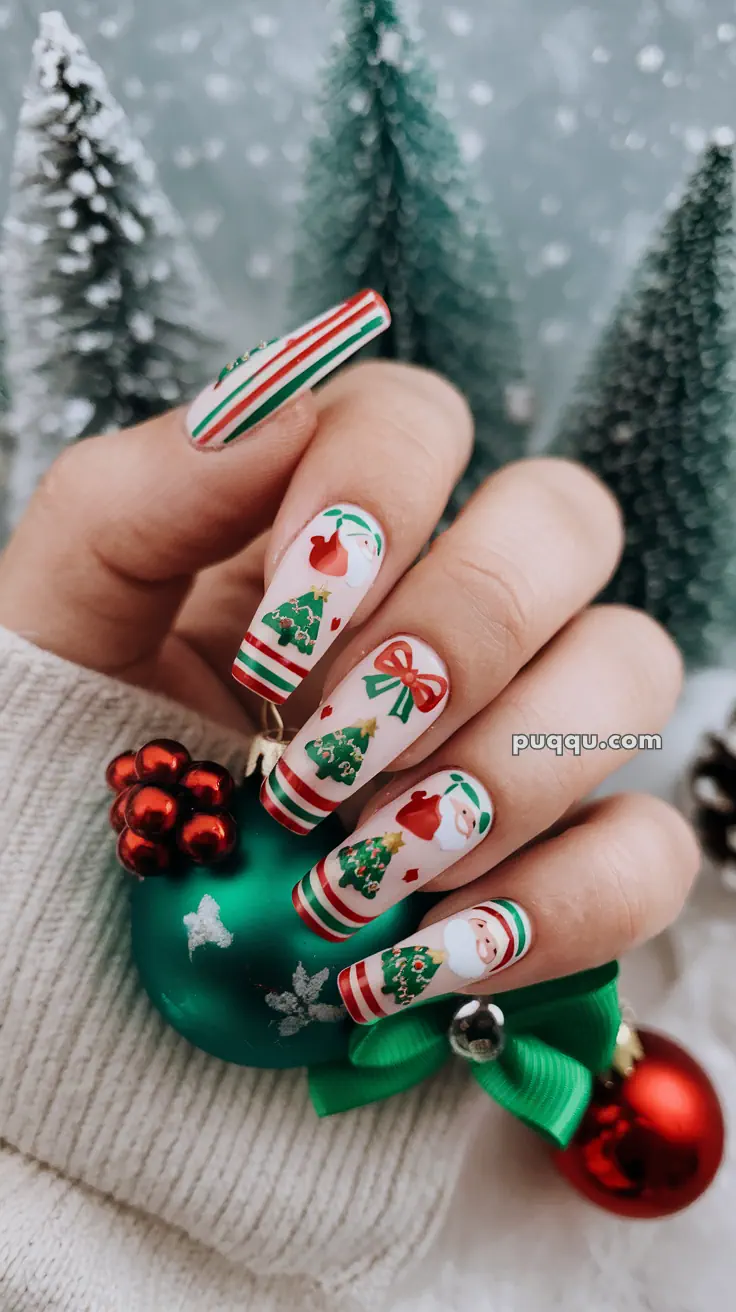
{"x":335,"y":624}
{"x":326,"y":710}
{"x":410,"y":876}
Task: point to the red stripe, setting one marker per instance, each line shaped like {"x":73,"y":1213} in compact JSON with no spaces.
{"x":491,"y":911}
{"x":303,"y":790}
{"x":309,"y":919}
{"x":255,"y":685}
{"x":345,"y":988}
{"x":276,"y":656}
{"x":285,"y":369}
{"x":275,"y":810}
{"x":361,"y":976}
{"x":334,"y":899}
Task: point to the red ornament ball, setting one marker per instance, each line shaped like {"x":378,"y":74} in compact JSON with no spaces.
{"x":161,"y":761}
{"x":150,"y":811}
{"x":120,"y":773}
{"x":210,"y":784}
{"x":206,"y":838}
{"x":142,"y":857}
{"x":650,"y":1144}
{"x":117,"y":811}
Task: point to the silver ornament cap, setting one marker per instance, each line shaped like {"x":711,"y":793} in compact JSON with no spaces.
{"x":477,"y":1031}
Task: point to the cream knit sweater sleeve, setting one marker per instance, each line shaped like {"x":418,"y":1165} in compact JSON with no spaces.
{"x":138,"y":1174}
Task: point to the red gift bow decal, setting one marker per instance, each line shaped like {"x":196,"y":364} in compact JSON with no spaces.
{"x":396,"y":669}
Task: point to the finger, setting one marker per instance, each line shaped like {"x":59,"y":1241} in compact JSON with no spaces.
{"x":611,"y":668}
{"x":528,"y":552}
{"x":271,"y":374}
{"x":382,"y":429}
{"x":612,"y":881}
{"x":104,"y":555}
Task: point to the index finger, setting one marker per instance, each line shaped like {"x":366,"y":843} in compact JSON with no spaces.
{"x":390,"y":444}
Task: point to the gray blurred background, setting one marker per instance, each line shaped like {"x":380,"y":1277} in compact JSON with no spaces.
{"x":579,"y":120}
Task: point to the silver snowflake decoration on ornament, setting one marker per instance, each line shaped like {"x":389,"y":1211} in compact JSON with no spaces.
{"x":302,"y":1007}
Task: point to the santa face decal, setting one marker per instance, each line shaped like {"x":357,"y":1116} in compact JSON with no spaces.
{"x":440,"y":959}
{"x":402,"y":846}
{"x":320,"y":581}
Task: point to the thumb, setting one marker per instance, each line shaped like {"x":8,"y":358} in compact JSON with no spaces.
{"x":105,"y":553}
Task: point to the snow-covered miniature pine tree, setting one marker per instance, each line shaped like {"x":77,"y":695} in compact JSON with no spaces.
{"x":655,"y":418}
{"x":103,"y":297}
{"x":388,"y":205}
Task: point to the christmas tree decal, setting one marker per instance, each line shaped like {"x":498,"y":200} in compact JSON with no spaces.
{"x":364,"y":864}
{"x":408,"y":971}
{"x":297,"y":621}
{"x":100,"y":290}
{"x":655,"y":418}
{"x":339,"y":755}
{"x":388,"y":205}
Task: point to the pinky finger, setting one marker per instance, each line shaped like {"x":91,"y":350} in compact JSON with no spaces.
{"x":616,"y":877}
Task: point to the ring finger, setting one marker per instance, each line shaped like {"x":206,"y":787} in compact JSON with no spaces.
{"x":612,"y":670}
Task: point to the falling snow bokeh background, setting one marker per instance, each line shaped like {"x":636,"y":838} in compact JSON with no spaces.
{"x":580,"y":121}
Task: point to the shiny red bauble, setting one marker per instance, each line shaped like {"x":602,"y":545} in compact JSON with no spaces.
{"x":209,"y":784}
{"x":205,"y":838}
{"x":121,"y":771}
{"x":141,"y":857}
{"x":116,"y":813}
{"x":649,"y":1144}
{"x":162,"y":761}
{"x":151,"y":811}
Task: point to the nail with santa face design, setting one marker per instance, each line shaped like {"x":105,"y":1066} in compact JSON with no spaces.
{"x":320,"y":582}
{"x":401,"y":847}
{"x":444,"y":957}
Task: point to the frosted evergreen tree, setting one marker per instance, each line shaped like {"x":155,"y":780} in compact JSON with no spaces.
{"x":388,"y":205}
{"x":101,"y":291}
{"x":655,"y":418}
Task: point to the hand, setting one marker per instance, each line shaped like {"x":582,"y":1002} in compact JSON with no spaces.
{"x":144,"y":558}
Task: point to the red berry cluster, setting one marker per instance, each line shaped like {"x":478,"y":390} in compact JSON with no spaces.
{"x":166,"y":804}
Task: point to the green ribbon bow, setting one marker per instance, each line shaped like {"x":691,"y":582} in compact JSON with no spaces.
{"x":558,"y":1036}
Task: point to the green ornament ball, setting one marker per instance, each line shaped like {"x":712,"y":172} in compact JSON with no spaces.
{"x":227,"y":961}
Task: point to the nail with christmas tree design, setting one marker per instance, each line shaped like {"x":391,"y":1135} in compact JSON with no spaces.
{"x":401,"y":847}
{"x":319,"y":584}
{"x":386,"y":702}
{"x":264,"y":378}
{"x":465,"y":948}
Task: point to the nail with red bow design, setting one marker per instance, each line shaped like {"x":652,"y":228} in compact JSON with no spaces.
{"x":386,"y":702}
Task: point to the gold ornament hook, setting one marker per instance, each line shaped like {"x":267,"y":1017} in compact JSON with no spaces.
{"x":269,"y":745}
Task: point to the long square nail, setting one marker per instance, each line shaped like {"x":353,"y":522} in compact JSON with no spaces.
{"x":401,"y":847}
{"x":442,"y":958}
{"x":386,"y":702}
{"x":319,"y":584}
{"x":268,"y":375}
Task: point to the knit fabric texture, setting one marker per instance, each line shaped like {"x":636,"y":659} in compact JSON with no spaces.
{"x":136,"y":1172}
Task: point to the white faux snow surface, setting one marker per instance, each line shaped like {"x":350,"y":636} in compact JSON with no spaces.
{"x":517,"y":1238}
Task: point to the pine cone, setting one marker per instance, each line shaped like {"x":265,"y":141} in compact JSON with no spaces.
{"x":713,"y":793}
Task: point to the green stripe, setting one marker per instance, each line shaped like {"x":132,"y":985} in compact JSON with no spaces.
{"x":511,"y":909}
{"x":294,"y":384}
{"x":267,"y":675}
{"x":290,"y":805}
{"x":317,"y":909}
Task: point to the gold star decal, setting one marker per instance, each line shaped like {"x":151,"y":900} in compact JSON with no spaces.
{"x":367,"y":727}
{"x":392,"y":842}
{"x":319,"y":594}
